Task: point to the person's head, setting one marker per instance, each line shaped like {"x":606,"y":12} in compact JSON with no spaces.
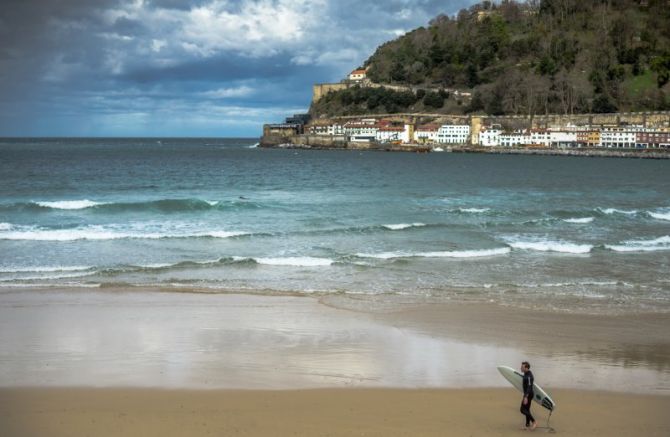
{"x":525,"y":366}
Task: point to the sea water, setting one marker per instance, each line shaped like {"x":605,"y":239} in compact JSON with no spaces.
{"x":220,"y":215}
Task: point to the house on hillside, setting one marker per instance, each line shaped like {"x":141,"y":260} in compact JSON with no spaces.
{"x":358,"y":75}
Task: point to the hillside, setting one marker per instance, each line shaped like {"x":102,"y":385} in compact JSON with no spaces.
{"x":536,"y":57}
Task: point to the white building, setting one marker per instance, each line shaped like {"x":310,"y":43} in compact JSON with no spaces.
{"x":489,"y":137}
{"x":540,"y":137}
{"x":616,"y":137}
{"x":561,"y":138}
{"x":326,"y":129}
{"x":389,"y":134}
{"x":361,"y":131}
{"x":512,"y":139}
{"x":426,"y":133}
{"x":358,"y":75}
{"x":454,"y":134}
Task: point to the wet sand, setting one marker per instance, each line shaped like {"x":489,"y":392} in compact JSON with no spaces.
{"x":114,"y":362}
{"x":329,"y":412}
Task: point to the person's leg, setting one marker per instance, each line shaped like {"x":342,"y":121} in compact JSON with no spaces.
{"x":526,"y":412}
{"x":530,"y":420}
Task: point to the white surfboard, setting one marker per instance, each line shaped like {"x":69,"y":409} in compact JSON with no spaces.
{"x":516,"y":379}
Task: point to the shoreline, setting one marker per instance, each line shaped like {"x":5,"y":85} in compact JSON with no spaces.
{"x":334,"y":412}
{"x":422,"y":148}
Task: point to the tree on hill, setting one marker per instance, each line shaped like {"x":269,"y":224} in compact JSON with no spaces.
{"x":548,"y":56}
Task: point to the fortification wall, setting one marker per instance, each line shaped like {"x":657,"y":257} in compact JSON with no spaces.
{"x":321,"y":89}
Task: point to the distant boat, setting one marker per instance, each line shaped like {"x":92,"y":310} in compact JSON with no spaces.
{"x":438,"y":149}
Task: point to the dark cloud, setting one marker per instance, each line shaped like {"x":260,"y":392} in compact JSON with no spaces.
{"x":117,"y":66}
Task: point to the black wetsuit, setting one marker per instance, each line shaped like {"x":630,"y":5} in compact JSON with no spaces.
{"x":527,"y":393}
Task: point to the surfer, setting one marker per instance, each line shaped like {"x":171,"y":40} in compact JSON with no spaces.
{"x":527,"y":395}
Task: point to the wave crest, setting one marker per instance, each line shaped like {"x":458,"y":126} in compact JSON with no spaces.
{"x":401,"y":226}
{"x":550,"y":246}
{"x":654,"y":245}
{"x":439,"y":254}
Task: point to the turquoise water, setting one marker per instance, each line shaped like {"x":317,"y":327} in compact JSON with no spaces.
{"x":221,"y":216}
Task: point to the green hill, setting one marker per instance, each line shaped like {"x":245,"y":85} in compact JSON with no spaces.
{"x":550,"y":56}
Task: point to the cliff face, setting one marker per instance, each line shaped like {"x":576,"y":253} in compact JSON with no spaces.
{"x":538,"y":57}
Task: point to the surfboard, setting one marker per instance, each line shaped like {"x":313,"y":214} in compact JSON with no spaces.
{"x":516,"y":379}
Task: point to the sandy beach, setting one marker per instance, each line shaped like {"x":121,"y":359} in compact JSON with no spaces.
{"x":120,"y":362}
{"x":329,"y":412}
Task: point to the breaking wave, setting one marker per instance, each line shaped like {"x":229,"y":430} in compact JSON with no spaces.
{"x":160,"y":205}
{"x":441,"y":254}
{"x":401,"y":226}
{"x":660,"y":215}
{"x":103,"y":233}
{"x":550,"y":246}
{"x":580,"y":220}
{"x":657,"y":244}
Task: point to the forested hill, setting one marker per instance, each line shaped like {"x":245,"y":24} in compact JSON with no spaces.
{"x":551,"y":56}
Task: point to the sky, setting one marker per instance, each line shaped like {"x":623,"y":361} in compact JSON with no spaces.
{"x":203,"y":68}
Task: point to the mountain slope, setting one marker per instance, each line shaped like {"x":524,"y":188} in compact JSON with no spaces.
{"x":553,"y":56}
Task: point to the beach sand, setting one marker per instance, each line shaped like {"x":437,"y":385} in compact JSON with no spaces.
{"x":329,"y":412}
{"x":148,"y":362}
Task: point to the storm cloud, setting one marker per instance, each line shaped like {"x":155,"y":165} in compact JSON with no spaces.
{"x":169,"y":67}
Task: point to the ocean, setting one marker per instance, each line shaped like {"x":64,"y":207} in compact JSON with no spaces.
{"x":222,"y":216}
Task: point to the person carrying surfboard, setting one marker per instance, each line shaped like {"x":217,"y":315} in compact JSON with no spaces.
{"x":528,"y":395}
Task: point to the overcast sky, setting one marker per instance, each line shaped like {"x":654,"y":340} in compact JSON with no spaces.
{"x":182,"y":68}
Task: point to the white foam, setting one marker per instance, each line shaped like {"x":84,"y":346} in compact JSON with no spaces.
{"x":467,"y":253}
{"x":579,"y":220}
{"x":219,"y":234}
{"x":44,"y":269}
{"x":611,"y":211}
{"x":69,"y":204}
{"x":51,"y":276}
{"x":474,"y":210}
{"x":5,"y":226}
{"x":102,"y":233}
{"x":400,"y":226}
{"x":551,"y":246}
{"x":657,"y":244}
{"x":304,"y":261}
{"x":156,"y":265}
{"x":384,"y":255}
{"x":660,"y":215}
{"x":212,"y":202}
{"x":440,"y":254}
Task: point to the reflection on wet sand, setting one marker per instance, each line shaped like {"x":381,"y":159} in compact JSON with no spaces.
{"x":144,"y":339}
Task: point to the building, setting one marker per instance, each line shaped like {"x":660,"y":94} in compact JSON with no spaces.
{"x":540,"y":137}
{"x":513,"y":139}
{"x":616,"y":137}
{"x":426,"y":133}
{"x":282,"y":129}
{"x":490,"y":136}
{"x":393,"y":134}
{"x":325,"y":128}
{"x":453,"y":134}
{"x":563,"y":138}
{"x":588,"y":138}
{"x":652,"y":139}
{"x":364,"y":130}
{"x":358,"y":75}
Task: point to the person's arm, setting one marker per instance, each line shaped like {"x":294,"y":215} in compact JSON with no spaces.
{"x":529,"y":387}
